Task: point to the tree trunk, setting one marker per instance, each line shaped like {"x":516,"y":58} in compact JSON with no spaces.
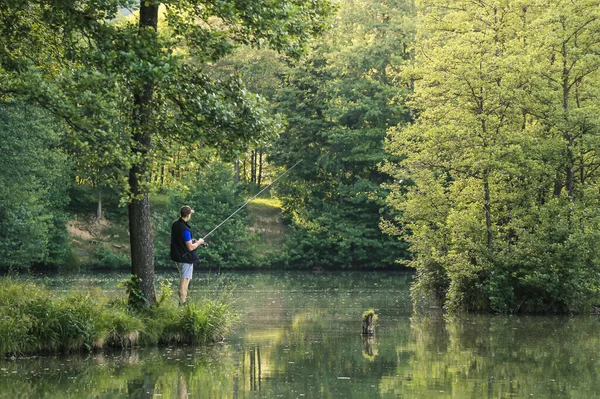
{"x":236,"y":167}
{"x":253,"y":168}
{"x":488,"y":213}
{"x":570,"y":169}
{"x":99,"y":215}
{"x":558,"y":185}
{"x":260,"y":166}
{"x":142,"y":247}
{"x":140,"y":226}
{"x":244,"y":171}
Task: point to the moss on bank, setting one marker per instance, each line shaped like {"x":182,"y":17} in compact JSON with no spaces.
{"x":34,"y":319}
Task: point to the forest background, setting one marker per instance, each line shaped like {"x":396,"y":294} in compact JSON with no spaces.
{"x":458,"y":138}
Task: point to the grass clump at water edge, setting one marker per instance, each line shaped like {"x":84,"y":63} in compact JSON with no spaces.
{"x":34,"y":319}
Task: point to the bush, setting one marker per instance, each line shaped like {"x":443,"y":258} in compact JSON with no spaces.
{"x":107,"y":259}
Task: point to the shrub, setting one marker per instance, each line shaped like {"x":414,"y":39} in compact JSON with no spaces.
{"x":107,"y":259}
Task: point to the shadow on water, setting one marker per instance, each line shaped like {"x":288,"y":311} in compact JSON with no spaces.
{"x":300,"y":336}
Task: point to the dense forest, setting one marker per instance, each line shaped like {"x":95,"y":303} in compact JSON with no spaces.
{"x":456,"y":138}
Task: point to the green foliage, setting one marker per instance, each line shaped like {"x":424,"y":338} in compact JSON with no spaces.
{"x":97,"y":84}
{"x":65,"y":323}
{"x":498,"y":208}
{"x":165,"y":291}
{"x":34,"y":175}
{"x":338,"y":104}
{"x":108,"y":259}
{"x":137,"y":299}
{"x":83,"y":200}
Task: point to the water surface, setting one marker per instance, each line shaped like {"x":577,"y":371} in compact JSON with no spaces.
{"x":299,"y":337}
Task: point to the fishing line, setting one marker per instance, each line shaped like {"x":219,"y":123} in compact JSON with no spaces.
{"x":247,"y":202}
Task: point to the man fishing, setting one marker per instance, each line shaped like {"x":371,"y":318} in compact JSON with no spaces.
{"x":183,"y":247}
{"x":183,"y":250}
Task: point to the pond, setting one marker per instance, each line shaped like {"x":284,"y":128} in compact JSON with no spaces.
{"x":299,"y":336}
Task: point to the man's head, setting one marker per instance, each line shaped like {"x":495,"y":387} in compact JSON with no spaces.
{"x":186,"y":212}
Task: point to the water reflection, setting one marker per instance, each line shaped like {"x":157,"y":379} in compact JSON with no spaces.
{"x":169,"y":373}
{"x":498,"y":357}
{"x":300,"y":336}
{"x":368,"y":347}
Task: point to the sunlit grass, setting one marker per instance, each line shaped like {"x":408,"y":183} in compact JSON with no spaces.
{"x":265,"y":214}
{"x":266,"y":202}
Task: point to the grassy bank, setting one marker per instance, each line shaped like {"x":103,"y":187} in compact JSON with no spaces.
{"x":34,"y":319}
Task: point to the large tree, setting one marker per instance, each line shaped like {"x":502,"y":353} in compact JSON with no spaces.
{"x":503,"y":155}
{"x":130,"y":88}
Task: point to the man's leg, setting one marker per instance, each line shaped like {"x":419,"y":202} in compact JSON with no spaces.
{"x":187,"y":269}
{"x":183,"y":289}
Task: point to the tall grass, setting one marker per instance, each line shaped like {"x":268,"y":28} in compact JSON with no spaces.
{"x":34,"y":319}
{"x":198,"y":324}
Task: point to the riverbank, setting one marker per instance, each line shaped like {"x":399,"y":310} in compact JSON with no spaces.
{"x":34,"y":319}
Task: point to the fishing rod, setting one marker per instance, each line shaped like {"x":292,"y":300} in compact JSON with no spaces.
{"x":247,"y":202}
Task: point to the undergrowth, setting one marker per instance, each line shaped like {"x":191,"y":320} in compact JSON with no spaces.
{"x":34,"y":319}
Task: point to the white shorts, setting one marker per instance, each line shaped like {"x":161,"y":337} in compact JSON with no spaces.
{"x":187,"y":270}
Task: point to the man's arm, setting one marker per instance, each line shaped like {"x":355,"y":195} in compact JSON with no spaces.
{"x":193,"y":244}
{"x":189,"y":243}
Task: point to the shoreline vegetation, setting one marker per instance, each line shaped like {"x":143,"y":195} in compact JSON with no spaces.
{"x":36,"y":320}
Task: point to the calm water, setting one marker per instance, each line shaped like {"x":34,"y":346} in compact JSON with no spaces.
{"x":299,"y":337}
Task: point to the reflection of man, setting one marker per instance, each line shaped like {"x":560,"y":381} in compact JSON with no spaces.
{"x":183,"y":249}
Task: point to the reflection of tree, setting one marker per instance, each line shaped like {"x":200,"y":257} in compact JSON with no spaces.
{"x":483,"y":356}
{"x":310,"y":353}
{"x":182,"y":390}
{"x":313,"y":344}
{"x":430,"y":332}
{"x":255,"y":369}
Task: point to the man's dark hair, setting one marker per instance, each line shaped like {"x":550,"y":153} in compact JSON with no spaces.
{"x":185,"y":211}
